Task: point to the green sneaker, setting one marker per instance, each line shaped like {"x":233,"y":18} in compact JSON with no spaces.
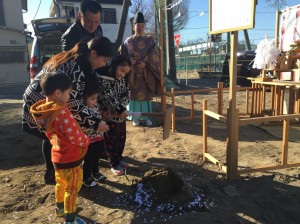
{"x":59,"y":212}
{"x":77,"y":220}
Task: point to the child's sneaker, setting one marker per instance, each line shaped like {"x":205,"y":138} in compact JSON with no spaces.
{"x":59,"y":212}
{"x":99,"y":177}
{"x":136,"y":122}
{"x":89,"y":182}
{"x":118,"y":170}
{"x":123,"y":164}
{"x":77,"y":220}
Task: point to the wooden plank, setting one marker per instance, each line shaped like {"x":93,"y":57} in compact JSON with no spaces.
{"x":216,"y":116}
{"x":220,"y":98}
{"x":263,"y":107}
{"x":188,"y":118}
{"x":273,"y":100}
{"x":246,"y":121}
{"x":281,"y":99}
{"x":285,"y":141}
{"x":267,"y":168}
{"x":247,"y":101}
{"x":167,"y":123}
{"x":215,"y":161}
{"x":204,"y":129}
{"x":252,"y":105}
{"x":192,"y":105}
{"x":173,"y":109}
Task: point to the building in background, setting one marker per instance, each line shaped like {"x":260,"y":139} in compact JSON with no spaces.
{"x":111,"y":15}
{"x":13,"y":46}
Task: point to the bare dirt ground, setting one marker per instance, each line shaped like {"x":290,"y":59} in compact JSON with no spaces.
{"x":270,"y":197}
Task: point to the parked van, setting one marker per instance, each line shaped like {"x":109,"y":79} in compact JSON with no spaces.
{"x":245,"y":61}
{"x":47,"y":40}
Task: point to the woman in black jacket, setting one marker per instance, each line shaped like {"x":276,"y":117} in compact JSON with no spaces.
{"x":79,"y":64}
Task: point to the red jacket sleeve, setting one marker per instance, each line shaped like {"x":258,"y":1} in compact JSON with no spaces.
{"x":71,"y":129}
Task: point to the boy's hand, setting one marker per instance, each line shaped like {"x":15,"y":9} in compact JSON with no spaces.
{"x":133,"y":61}
{"x":103,"y":126}
{"x":141,"y":65}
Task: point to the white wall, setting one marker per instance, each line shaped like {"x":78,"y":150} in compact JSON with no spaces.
{"x":12,"y":38}
{"x":13,"y":14}
{"x":112,"y":30}
{"x":13,"y":73}
{"x":12,"y":35}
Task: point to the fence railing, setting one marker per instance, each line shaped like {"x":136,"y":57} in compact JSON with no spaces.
{"x":201,"y":63}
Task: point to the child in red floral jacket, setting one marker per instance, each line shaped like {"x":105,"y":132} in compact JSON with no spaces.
{"x":69,"y":143}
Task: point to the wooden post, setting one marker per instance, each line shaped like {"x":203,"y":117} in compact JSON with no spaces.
{"x":173,"y":110}
{"x":247,"y":101}
{"x":281,"y":99}
{"x":164,"y":100}
{"x":277,"y":28}
{"x":162,"y":78}
{"x":259,"y":96}
{"x":192,"y":104}
{"x":263,"y":106}
{"x":292,"y":101}
{"x":253,"y":100}
{"x":285,"y":140}
{"x":220,"y":98}
{"x":204,"y":128}
{"x":232,"y":112}
{"x":263,"y":73}
{"x":273,"y":100}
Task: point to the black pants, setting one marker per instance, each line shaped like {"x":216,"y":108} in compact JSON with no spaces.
{"x":115,"y":140}
{"x":46,"y":150}
{"x":91,"y":159}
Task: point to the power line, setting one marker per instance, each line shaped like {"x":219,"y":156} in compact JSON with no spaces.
{"x":36,"y":12}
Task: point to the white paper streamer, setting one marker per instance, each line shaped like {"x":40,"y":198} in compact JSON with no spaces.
{"x":266,"y":55}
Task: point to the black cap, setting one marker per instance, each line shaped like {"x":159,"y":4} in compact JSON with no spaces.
{"x":138,"y":18}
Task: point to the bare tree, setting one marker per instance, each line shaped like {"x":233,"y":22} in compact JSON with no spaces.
{"x":147,"y":8}
{"x":180,"y":15}
{"x":278,"y":4}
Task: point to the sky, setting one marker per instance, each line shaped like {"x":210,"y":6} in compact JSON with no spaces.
{"x":197,"y":26}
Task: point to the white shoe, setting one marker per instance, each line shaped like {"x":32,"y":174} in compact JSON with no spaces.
{"x":136,"y":122}
{"x":117,"y":171}
{"x":148,"y":122}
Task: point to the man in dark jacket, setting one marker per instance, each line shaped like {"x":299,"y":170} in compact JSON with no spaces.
{"x":86,"y":27}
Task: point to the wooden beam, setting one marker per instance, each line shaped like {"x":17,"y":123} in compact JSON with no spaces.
{"x":204,"y":129}
{"x":253,"y":120}
{"x":266,"y":168}
{"x":285,"y":141}
{"x":215,"y":116}
{"x":232,"y":113}
{"x":215,"y":161}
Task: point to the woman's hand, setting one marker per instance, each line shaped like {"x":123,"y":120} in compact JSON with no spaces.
{"x":103,"y":126}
